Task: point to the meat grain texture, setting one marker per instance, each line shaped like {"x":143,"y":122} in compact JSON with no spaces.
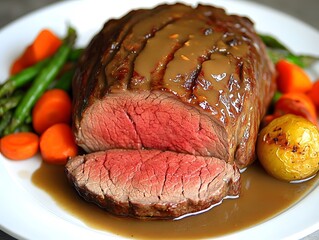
{"x":167,"y":104}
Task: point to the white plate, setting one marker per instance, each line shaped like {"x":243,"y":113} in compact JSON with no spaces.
{"x":27,"y":212}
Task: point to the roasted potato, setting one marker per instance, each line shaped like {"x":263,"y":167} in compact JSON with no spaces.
{"x":288,"y":148}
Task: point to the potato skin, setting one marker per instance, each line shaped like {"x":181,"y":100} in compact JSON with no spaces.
{"x":288,"y":148}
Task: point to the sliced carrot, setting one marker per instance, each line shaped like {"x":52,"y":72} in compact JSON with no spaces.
{"x":292,"y":78}
{"x":57,"y":144}
{"x":44,"y":45}
{"x":19,"y":146}
{"x":54,"y":106}
{"x":296,"y":103}
{"x":314,"y":93}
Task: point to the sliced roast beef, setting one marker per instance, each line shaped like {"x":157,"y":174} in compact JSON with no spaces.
{"x":189,"y":84}
{"x":152,"y":183}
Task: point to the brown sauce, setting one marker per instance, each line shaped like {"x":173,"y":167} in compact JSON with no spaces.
{"x":262,"y":197}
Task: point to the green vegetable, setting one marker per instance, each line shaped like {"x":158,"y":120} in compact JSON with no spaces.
{"x":22,"y":78}
{"x":5,"y":120}
{"x":65,"y":81}
{"x":272,"y":42}
{"x":28,"y":119}
{"x":75,"y":54}
{"x":276,"y":97}
{"x":277,"y":51}
{"x":25,"y":128}
{"x":9,"y":103}
{"x":42,"y":81}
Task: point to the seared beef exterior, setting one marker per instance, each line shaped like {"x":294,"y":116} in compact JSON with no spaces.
{"x":185,"y":81}
{"x":152,"y":183}
{"x":174,"y":78}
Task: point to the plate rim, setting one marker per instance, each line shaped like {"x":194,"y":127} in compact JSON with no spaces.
{"x":314,"y":192}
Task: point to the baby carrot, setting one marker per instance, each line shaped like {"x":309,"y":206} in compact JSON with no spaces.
{"x":267,"y":119}
{"x":292,"y":78}
{"x":296,"y":103}
{"x":54,"y":106}
{"x":44,"y":45}
{"x":314,"y":93}
{"x":19,"y":146}
{"x":17,"y":66}
{"x":57,"y":144}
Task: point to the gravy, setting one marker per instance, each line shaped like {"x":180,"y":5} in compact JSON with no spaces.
{"x":262,"y":197}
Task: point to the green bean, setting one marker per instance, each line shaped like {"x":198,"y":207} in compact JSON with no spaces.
{"x":42,"y":81}
{"x":21,"y":78}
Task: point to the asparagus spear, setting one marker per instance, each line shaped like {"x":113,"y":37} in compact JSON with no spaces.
{"x":8,"y":103}
{"x":22,"y":78}
{"x":277,"y":50}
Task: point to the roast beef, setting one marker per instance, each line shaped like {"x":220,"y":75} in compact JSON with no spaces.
{"x":153,"y":183}
{"x":180,"y":88}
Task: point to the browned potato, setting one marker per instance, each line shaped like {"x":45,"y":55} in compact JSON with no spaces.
{"x":288,"y":148}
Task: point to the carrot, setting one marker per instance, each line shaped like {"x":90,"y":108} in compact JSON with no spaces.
{"x":296,"y":103}
{"x":17,"y":66}
{"x":54,"y":106}
{"x":44,"y":45}
{"x":292,"y":78}
{"x":57,"y":144}
{"x":267,"y":119}
{"x":314,"y":93}
{"x":19,"y":146}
